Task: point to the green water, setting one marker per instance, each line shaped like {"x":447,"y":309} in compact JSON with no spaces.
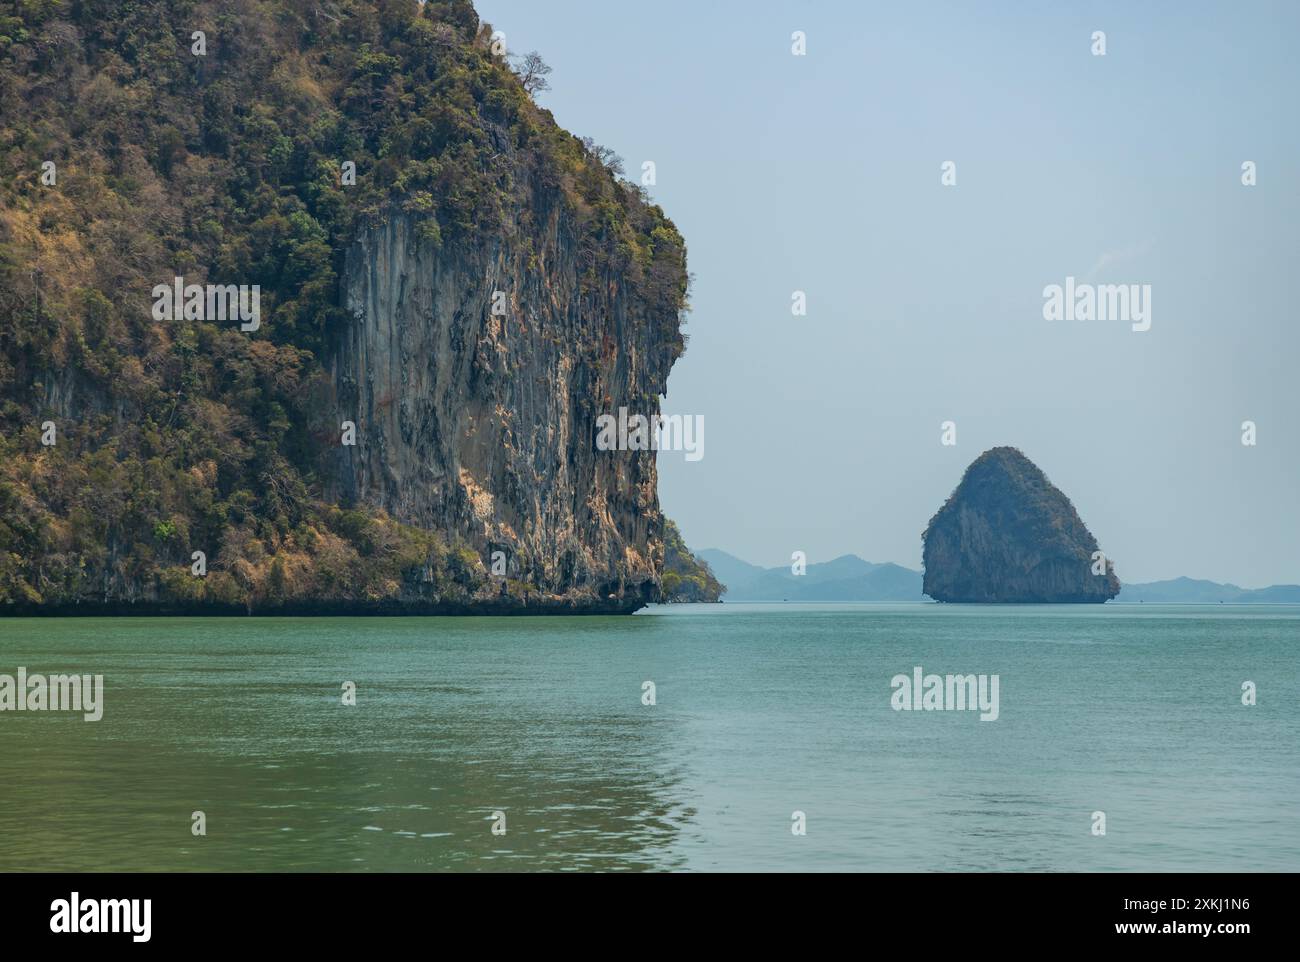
{"x":761,"y":710}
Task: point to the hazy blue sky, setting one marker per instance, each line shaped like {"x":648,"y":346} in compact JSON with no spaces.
{"x":822,"y":173}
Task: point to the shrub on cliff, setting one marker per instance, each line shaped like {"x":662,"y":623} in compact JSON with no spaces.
{"x":686,"y":577}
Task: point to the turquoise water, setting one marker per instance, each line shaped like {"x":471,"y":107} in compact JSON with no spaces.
{"x":762,"y":710}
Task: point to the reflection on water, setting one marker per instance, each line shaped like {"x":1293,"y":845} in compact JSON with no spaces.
{"x":243,"y":720}
{"x":762,"y":710}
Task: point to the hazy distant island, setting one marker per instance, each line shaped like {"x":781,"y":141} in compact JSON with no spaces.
{"x":1006,"y":535}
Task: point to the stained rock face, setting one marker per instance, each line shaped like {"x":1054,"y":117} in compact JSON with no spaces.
{"x":482,"y":424}
{"x":1007,"y":534}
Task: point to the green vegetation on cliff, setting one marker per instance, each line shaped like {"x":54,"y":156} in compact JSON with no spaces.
{"x":687,"y":577}
{"x":177,"y":436}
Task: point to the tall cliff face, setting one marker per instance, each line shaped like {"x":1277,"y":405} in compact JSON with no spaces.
{"x":378,"y":170}
{"x":1007,"y":534}
{"x":483,"y":424}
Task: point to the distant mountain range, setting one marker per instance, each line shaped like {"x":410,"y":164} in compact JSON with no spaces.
{"x":1192,"y":591}
{"x":850,"y":578}
{"x":847,"y":578}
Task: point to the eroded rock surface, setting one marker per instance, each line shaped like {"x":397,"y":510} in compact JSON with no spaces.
{"x":1007,"y":534}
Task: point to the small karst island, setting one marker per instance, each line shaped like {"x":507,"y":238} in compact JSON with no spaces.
{"x":1008,"y":535}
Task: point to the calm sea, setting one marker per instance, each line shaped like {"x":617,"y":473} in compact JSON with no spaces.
{"x":761,"y":711}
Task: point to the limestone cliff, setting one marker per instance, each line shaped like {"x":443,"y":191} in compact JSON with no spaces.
{"x":1007,"y":534}
{"x":452,"y":290}
{"x":484,"y":424}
